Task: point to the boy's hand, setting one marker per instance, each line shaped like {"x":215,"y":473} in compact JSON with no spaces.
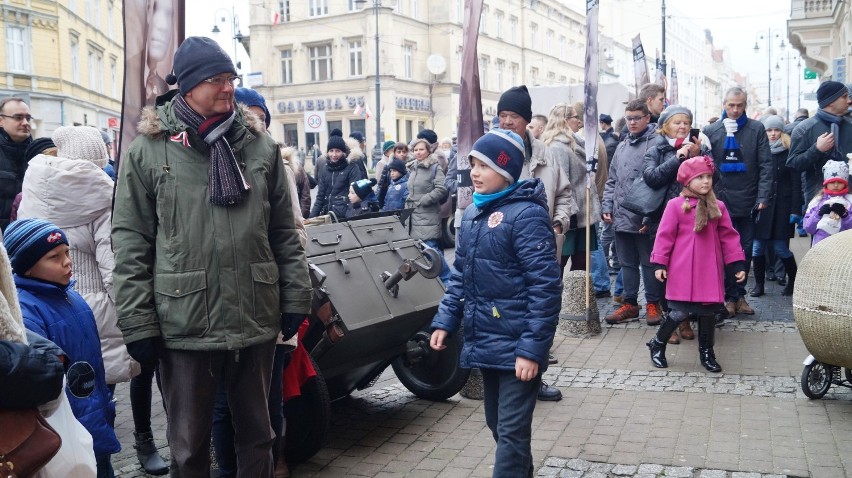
{"x":740,"y":276}
{"x":438,"y":338}
{"x":661,"y":275}
{"x":525,"y":369}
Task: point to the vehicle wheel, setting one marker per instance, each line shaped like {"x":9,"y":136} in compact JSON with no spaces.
{"x":308,"y":419}
{"x":816,"y":379}
{"x":436,"y":375}
{"x":448,"y":232}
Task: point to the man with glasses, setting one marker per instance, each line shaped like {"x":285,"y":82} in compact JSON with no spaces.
{"x":209,"y":265}
{"x":15,"y":125}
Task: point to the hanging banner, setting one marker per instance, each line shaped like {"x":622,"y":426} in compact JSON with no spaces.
{"x":673,"y":99}
{"x":471,"y":126}
{"x":640,"y":64}
{"x":153,"y":29}
{"x":590,"y":90}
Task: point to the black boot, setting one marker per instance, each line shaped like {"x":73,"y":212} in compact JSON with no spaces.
{"x":792,"y":268}
{"x":706,"y":333}
{"x":657,"y":345}
{"x":148,"y":456}
{"x":759,"y":263}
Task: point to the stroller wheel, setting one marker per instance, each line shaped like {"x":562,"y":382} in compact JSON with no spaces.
{"x":816,"y":379}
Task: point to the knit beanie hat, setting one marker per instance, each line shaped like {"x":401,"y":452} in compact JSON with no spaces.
{"x":336,"y":132}
{"x":389,"y":144}
{"x":835,"y":171}
{"x":428,"y":135}
{"x":197,"y":59}
{"x":516,"y":100}
{"x":397,"y":165}
{"x":357,"y":135}
{"x":672,"y":110}
{"x":249,"y":97}
{"x":363,"y":187}
{"x":605,"y":118}
{"x":28,"y":240}
{"x":503,"y":151}
{"x":83,"y":143}
{"x":829,"y":91}
{"x":773,"y":122}
{"x":694,"y":167}
{"x":36,"y":147}
{"x":337,"y":142}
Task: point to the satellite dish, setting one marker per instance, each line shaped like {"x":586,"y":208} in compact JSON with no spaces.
{"x":436,"y":64}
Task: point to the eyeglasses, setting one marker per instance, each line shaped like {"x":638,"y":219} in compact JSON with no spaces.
{"x":18,"y":118}
{"x":219,"y":81}
{"x":634,"y":119}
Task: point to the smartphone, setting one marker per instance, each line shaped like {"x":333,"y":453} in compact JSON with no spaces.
{"x":693,"y":133}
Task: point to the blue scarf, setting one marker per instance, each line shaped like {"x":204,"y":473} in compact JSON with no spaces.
{"x":833,"y":122}
{"x":732,"y":161}
{"x":481,"y":200}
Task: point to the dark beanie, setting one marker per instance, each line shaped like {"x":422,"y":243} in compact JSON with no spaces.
{"x":357,"y":136}
{"x":28,"y":240}
{"x":503,"y":151}
{"x":428,"y":135}
{"x":36,"y":147}
{"x":605,"y":118}
{"x":516,"y":100}
{"x":398,"y":165}
{"x":829,"y":91}
{"x":389,"y":144}
{"x":336,"y":132}
{"x":363,"y":187}
{"x":249,"y":97}
{"x":197,"y":59}
{"x":337,"y":142}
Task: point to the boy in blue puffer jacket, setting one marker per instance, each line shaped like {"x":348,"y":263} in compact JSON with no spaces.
{"x":507,"y":291}
{"x":51,"y":308}
{"x":398,"y":187}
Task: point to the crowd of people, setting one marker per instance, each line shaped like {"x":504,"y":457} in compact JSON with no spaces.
{"x":189,"y":269}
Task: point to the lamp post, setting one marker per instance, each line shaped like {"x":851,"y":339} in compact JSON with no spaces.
{"x":787,"y":81}
{"x":378,"y":113}
{"x":768,"y":35}
{"x":235,"y":30}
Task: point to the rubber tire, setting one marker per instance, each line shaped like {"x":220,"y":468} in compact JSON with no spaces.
{"x":448,"y":232}
{"x":820,"y":374}
{"x":308,"y":419}
{"x":438,"y":376}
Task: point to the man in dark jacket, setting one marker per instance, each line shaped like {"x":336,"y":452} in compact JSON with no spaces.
{"x":608,"y":135}
{"x":828,"y":135}
{"x":15,"y":124}
{"x":801,"y":115}
{"x":741,"y":152}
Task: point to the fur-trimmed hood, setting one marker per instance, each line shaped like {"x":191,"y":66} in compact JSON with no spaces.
{"x":158,"y":120}
{"x":11,"y":320}
{"x":413,"y":164}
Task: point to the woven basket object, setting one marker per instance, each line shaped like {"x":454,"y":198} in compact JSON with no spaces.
{"x":822,"y":304}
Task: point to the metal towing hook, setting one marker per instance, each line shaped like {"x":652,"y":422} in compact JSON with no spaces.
{"x":428,"y":264}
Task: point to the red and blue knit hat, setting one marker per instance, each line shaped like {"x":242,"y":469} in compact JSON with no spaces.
{"x":28,"y":240}
{"x":503,"y":151}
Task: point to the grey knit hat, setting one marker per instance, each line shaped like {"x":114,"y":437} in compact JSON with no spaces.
{"x":197,"y":59}
{"x":773,"y":121}
{"x":672,"y":110}
{"x":83,"y":143}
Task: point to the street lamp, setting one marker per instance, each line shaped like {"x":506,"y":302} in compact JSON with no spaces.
{"x":378,"y":112}
{"x":235,"y":29}
{"x":787,"y":81}
{"x":768,"y":35}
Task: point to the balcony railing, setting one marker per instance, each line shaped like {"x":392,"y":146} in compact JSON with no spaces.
{"x":813,"y":8}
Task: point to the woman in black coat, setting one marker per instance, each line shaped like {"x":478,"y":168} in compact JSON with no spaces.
{"x":334,"y":179}
{"x":774,"y":226}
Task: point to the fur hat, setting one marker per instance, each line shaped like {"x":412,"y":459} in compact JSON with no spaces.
{"x":389,"y":144}
{"x":249,"y":97}
{"x":672,"y":110}
{"x":773,"y":122}
{"x":516,"y":100}
{"x":197,"y":59}
{"x":835,"y":171}
{"x":428,"y":135}
{"x":28,"y":240}
{"x":503,"y":151}
{"x":363,"y":187}
{"x":83,"y":143}
{"x":694,"y":167}
{"x":829,"y":91}
{"x":397,"y":165}
{"x":337,"y":142}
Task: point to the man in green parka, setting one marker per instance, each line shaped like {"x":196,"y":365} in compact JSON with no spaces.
{"x":208,"y":263}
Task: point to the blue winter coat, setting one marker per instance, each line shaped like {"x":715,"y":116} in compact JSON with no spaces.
{"x":506,"y":283}
{"x":63,"y":317}
{"x":397,"y":194}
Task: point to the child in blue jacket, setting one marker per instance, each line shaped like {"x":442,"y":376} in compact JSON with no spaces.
{"x":51,"y":308}
{"x":507,"y":291}
{"x":398,"y":187}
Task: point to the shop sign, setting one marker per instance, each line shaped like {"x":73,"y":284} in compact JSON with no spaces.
{"x":319,"y":104}
{"x":414,"y":104}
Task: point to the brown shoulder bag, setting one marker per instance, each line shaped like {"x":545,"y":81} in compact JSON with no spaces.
{"x":27,"y":443}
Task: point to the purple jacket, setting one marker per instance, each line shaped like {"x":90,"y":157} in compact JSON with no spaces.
{"x":695,"y":260}
{"x":812,"y":217}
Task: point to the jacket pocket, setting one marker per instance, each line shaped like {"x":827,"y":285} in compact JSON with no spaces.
{"x":181,"y":299}
{"x":265,"y":277}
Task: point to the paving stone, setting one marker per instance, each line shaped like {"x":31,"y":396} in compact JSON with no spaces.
{"x":713,"y":474}
{"x":678,"y":472}
{"x":650,"y":469}
{"x":578,"y":464}
{"x":570,"y":474}
{"x":739,"y":474}
{"x":624,"y":470}
{"x":549,"y":472}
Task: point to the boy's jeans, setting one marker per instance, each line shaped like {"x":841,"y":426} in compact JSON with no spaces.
{"x":509,"y":405}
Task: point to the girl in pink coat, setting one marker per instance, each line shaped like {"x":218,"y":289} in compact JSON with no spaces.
{"x":694,"y":244}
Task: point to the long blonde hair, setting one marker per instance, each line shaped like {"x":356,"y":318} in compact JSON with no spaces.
{"x":557,"y":123}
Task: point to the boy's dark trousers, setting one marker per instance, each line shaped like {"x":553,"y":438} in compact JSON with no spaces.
{"x":509,"y":405}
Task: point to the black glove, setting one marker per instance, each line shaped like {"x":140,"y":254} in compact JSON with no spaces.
{"x":825,"y":209}
{"x":290,"y":324}
{"x":145,"y":351}
{"x":838,"y":209}
{"x":572,"y":224}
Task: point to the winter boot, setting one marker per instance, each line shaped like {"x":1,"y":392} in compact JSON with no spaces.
{"x":706,"y":333}
{"x":148,"y":456}
{"x":759,"y":263}
{"x":657,"y":345}
{"x":792,"y":268}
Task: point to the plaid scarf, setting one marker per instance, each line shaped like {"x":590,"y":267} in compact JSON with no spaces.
{"x":227,"y":184}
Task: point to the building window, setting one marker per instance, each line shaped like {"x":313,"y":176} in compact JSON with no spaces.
{"x":72,"y":5}
{"x":333,"y":125}
{"x":93,"y":79}
{"x":548,"y":42}
{"x":286,"y":66}
{"x":498,"y":24}
{"x":113,"y":77}
{"x":357,"y":125}
{"x":483,"y":72}
{"x":99,"y":61}
{"x":17,"y":48}
{"x":563,"y":80}
{"x":110,"y":20}
{"x":291,"y":135}
{"x":409,"y":131}
{"x":551,"y":78}
{"x":75,"y":59}
{"x":353,"y":6}
{"x":513,"y":74}
{"x":284,"y":10}
{"x":513,"y":30}
{"x":407,"y":61}
{"x":96,"y":13}
{"x":413,"y":12}
{"x":89,"y":14}
{"x":562,"y":47}
{"x":483,"y":21}
{"x":355,"y":58}
{"x":320,"y":62}
{"x":533,"y":35}
{"x":500,"y":64}
{"x":318,"y":8}
{"x":534,"y":76}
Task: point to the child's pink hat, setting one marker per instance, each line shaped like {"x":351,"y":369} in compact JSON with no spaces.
{"x":694,"y":167}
